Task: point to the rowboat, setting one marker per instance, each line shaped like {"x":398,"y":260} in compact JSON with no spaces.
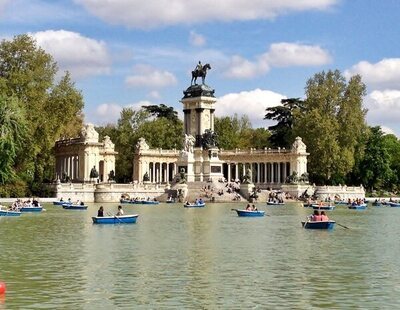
{"x":31,"y":209}
{"x":377,"y":204}
{"x":323,"y":207}
{"x":74,"y":207}
{"x":272,"y":203}
{"x":122,"y":219}
{"x":362,"y":206}
{"x":249,"y":213}
{"x":394,"y":204}
{"x":139,"y":202}
{"x":341,"y":202}
{"x":318,"y":224}
{"x":194,"y":205}
{"x":9,"y":213}
{"x":60,"y":203}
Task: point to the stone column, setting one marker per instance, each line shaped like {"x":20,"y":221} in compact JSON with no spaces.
{"x":229,"y":172}
{"x":212,"y":116}
{"x":265,"y":173}
{"x":153,"y":172}
{"x":279,"y":173}
{"x":167,"y":179}
{"x":272,"y":172}
{"x":236,"y":170}
{"x":258,"y":173}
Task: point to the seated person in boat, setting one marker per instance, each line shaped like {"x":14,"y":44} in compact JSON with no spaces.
{"x":120,"y":211}
{"x":254,"y":208}
{"x":200,"y":201}
{"x":100,"y":212}
{"x":324,"y":217}
{"x":316,"y":216}
{"x":82,"y":203}
{"x":249,"y":208}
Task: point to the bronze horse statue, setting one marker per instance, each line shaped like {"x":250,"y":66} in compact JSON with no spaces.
{"x":200,"y":73}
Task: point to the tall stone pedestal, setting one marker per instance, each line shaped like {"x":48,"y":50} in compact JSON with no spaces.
{"x":246,"y":189}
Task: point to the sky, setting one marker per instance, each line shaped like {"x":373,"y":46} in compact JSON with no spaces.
{"x":130,"y":53}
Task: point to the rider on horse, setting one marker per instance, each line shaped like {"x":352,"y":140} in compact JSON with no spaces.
{"x":199,"y":67}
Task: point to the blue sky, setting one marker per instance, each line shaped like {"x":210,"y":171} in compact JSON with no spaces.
{"x":131,"y":53}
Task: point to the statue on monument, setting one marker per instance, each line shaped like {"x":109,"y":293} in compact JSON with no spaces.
{"x":200,"y":71}
{"x":209,"y":139}
{"x":247,"y":177}
{"x":188,"y":143}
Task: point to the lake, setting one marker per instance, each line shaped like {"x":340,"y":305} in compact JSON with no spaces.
{"x":200,"y":258}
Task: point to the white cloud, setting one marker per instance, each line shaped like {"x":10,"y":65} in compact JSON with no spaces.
{"x":196,"y":39}
{"x":251,"y":103}
{"x":279,"y":55}
{"x":388,"y":131}
{"x":80,"y":55}
{"x":106,"y":113}
{"x":383,"y":108}
{"x":109,"y":113}
{"x":155,"y":13}
{"x":383,"y":74}
{"x":147,"y":76}
{"x":242,"y":68}
{"x":291,"y":54}
{"x":154,"y":94}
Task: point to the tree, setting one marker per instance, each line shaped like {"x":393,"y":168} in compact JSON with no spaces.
{"x":28,"y":72}
{"x":162,"y":111}
{"x":12,"y":133}
{"x":162,"y":133}
{"x":233,"y":132}
{"x":332,"y":125}
{"x":375,"y":165}
{"x":282,"y":132}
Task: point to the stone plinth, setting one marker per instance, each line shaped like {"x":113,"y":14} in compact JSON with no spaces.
{"x":246,"y":189}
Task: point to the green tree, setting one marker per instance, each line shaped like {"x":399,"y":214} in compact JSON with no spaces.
{"x":162,"y":111}
{"x":162,"y":133}
{"x":332,"y":125}
{"x":233,"y":132}
{"x":282,"y":132}
{"x":13,"y":131}
{"x":125,"y":141}
{"x":375,"y":166}
{"x":51,"y":111}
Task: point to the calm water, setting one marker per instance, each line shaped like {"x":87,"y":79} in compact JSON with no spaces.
{"x":200,"y":259}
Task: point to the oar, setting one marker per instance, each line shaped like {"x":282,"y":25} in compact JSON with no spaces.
{"x":109,"y":214}
{"x":342,"y":225}
{"x":234,"y":209}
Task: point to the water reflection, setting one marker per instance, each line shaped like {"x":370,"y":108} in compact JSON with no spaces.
{"x":200,"y":259}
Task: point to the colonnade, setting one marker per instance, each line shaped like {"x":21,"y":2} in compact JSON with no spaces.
{"x":162,"y":172}
{"x":68,"y":165}
{"x":264,"y":172}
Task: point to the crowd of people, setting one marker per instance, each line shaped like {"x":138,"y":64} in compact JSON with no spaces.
{"x":18,"y":204}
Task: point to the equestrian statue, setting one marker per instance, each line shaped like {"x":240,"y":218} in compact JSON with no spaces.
{"x":200,"y":71}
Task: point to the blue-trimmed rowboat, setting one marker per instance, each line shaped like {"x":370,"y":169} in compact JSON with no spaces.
{"x":9,"y":213}
{"x":341,"y":202}
{"x":318,"y":224}
{"x":31,"y":209}
{"x":249,"y":213}
{"x":271,"y":203}
{"x":60,"y":203}
{"x":194,"y":205}
{"x":323,"y":207}
{"x":394,"y":204}
{"x":362,"y":206}
{"x":122,"y":219}
{"x":74,"y":207}
{"x":139,"y":202}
